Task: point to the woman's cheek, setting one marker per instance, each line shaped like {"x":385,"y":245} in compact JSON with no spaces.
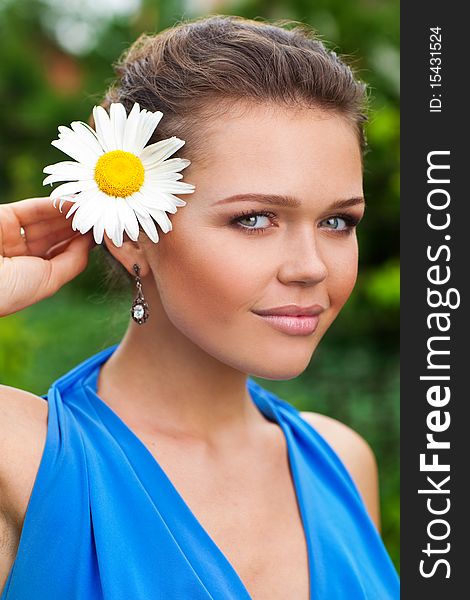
{"x":342,"y":280}
{"x":202,"y":280}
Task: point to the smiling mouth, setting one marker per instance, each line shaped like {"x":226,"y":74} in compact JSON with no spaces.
{"x":291,"y":310}
{"x":291,"y":324}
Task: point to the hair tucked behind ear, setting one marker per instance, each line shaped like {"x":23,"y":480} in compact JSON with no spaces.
{"x":198,"y":69}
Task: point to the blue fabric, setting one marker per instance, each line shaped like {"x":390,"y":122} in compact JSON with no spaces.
{"x":104,"y":520}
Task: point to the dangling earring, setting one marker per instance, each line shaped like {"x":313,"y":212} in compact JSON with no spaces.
{"x":140,"y":308}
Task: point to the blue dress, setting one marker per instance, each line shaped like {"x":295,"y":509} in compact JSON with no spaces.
{"x":105,"y":522}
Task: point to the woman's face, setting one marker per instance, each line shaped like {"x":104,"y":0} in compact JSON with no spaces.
{"x":226,"y":259}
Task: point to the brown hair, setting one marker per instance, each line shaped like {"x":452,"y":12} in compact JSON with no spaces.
{"x":196,"y":70}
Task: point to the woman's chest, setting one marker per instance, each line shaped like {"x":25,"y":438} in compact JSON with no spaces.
{"x":250,"y":511}
{"x":268,"y":554}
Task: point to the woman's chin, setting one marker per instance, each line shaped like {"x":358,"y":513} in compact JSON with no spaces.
{"x":280,"y":370}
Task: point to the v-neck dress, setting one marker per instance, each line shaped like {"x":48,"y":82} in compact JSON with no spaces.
{"x":104,"y":521}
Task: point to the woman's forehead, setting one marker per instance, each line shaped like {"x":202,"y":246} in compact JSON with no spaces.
{"x":261,"y":151}
{"x":273,"y":135}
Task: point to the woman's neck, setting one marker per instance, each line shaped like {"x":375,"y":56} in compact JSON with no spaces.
{"x":159,"y":379}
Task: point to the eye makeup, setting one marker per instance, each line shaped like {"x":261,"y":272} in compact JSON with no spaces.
{"x":246,"y":214}
{"x":350,"y":221}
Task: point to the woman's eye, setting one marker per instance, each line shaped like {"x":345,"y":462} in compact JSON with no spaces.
{"x":336,"y":222}
{"x":342,"y":224}
{"x":254,"y":221}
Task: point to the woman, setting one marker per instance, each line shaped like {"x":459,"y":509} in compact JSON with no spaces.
{"x":157,"y":468}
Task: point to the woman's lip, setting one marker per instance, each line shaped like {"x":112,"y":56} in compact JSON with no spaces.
{"x":300,"y":325}
{"x":292,"y":310}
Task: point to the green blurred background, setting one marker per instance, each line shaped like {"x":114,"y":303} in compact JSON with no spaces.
{"x":56,"y":61}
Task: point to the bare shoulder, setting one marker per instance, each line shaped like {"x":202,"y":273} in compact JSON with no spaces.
{"x":23,"y":430}
{"x":357,"y":456}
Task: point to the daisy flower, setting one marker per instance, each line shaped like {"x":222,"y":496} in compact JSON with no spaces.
{"x":117,"y":182}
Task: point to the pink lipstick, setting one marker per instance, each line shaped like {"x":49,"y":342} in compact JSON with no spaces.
{"x":292,"y":319}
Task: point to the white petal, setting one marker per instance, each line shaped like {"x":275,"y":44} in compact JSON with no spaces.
{"x":63,"y":200}
{"x":118,"y":236}
{"x":174,"y":199}
{"x":158,"y":152}
{"x":88,"y":137}
{"x":162,"y":219}
{"x":118,"y":118}
{"x":111,"y":219}
{"x":130,"y":131}
{"x":64,"y":131}
{"x":98,"y":207}
{"x":72,"y":187}
{"x":85,"y":216}
{"x":75,"y":222}
{"x":152,"y":198}
{"x":136,"y":205}
{"x":114,"y":227}
{"x":173,"y":187}
{"x":153,"y":177}
{"x":74,"y":147}
{"x":75,"y":207}
{"x":147,"y":124}
{"x":169,"y":166}
{"x":77,"y":177}
{"x":128,"y":218}
{"x":79,"y":200}
{"x":149,"y":227}
{"x":84,"y":219}
{"x":98,"y":229}
{"x":55,"y":178}
{"x":103,"y":127}
{"x":69,"y":170}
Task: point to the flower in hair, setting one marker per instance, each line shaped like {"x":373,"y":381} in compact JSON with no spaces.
{"x":117,"y":182}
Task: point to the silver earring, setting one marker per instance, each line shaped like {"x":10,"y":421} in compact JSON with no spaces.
{"x":140,"y":308}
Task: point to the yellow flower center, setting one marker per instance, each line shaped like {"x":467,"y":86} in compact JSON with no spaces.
{"x":119,"y":173}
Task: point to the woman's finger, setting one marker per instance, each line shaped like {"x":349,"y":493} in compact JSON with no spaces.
{"x":25,"y":280}
{"x":60,"y":247}
{"x":20,"y":239}
{"x":38,"y":230}
{"x":41,"y":237}
{"x":33,"y":210}
{"x":69,"y":263}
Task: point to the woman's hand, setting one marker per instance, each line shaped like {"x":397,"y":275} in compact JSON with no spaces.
{"x":49,"y":255}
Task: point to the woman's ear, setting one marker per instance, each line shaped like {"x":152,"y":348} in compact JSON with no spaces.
{"x":128,"y":254}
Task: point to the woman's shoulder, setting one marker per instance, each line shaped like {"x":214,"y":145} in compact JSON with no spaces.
{"x":352,"y":450}
{"x":23,"y":432}
{"x":21,"y":408}
{"x":356,"y":455}
{"x":343,"y":439}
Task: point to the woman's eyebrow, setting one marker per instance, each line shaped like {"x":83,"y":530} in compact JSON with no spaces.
{"x":287,"y":201}
{"x":348,"y":202}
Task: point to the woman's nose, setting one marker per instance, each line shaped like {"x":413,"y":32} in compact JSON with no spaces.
{"x":302,"y":261}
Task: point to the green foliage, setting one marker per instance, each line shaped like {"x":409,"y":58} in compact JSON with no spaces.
{"x":17,"y":346}
{"x":354,"y":373}
{"x":383,"y":285}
